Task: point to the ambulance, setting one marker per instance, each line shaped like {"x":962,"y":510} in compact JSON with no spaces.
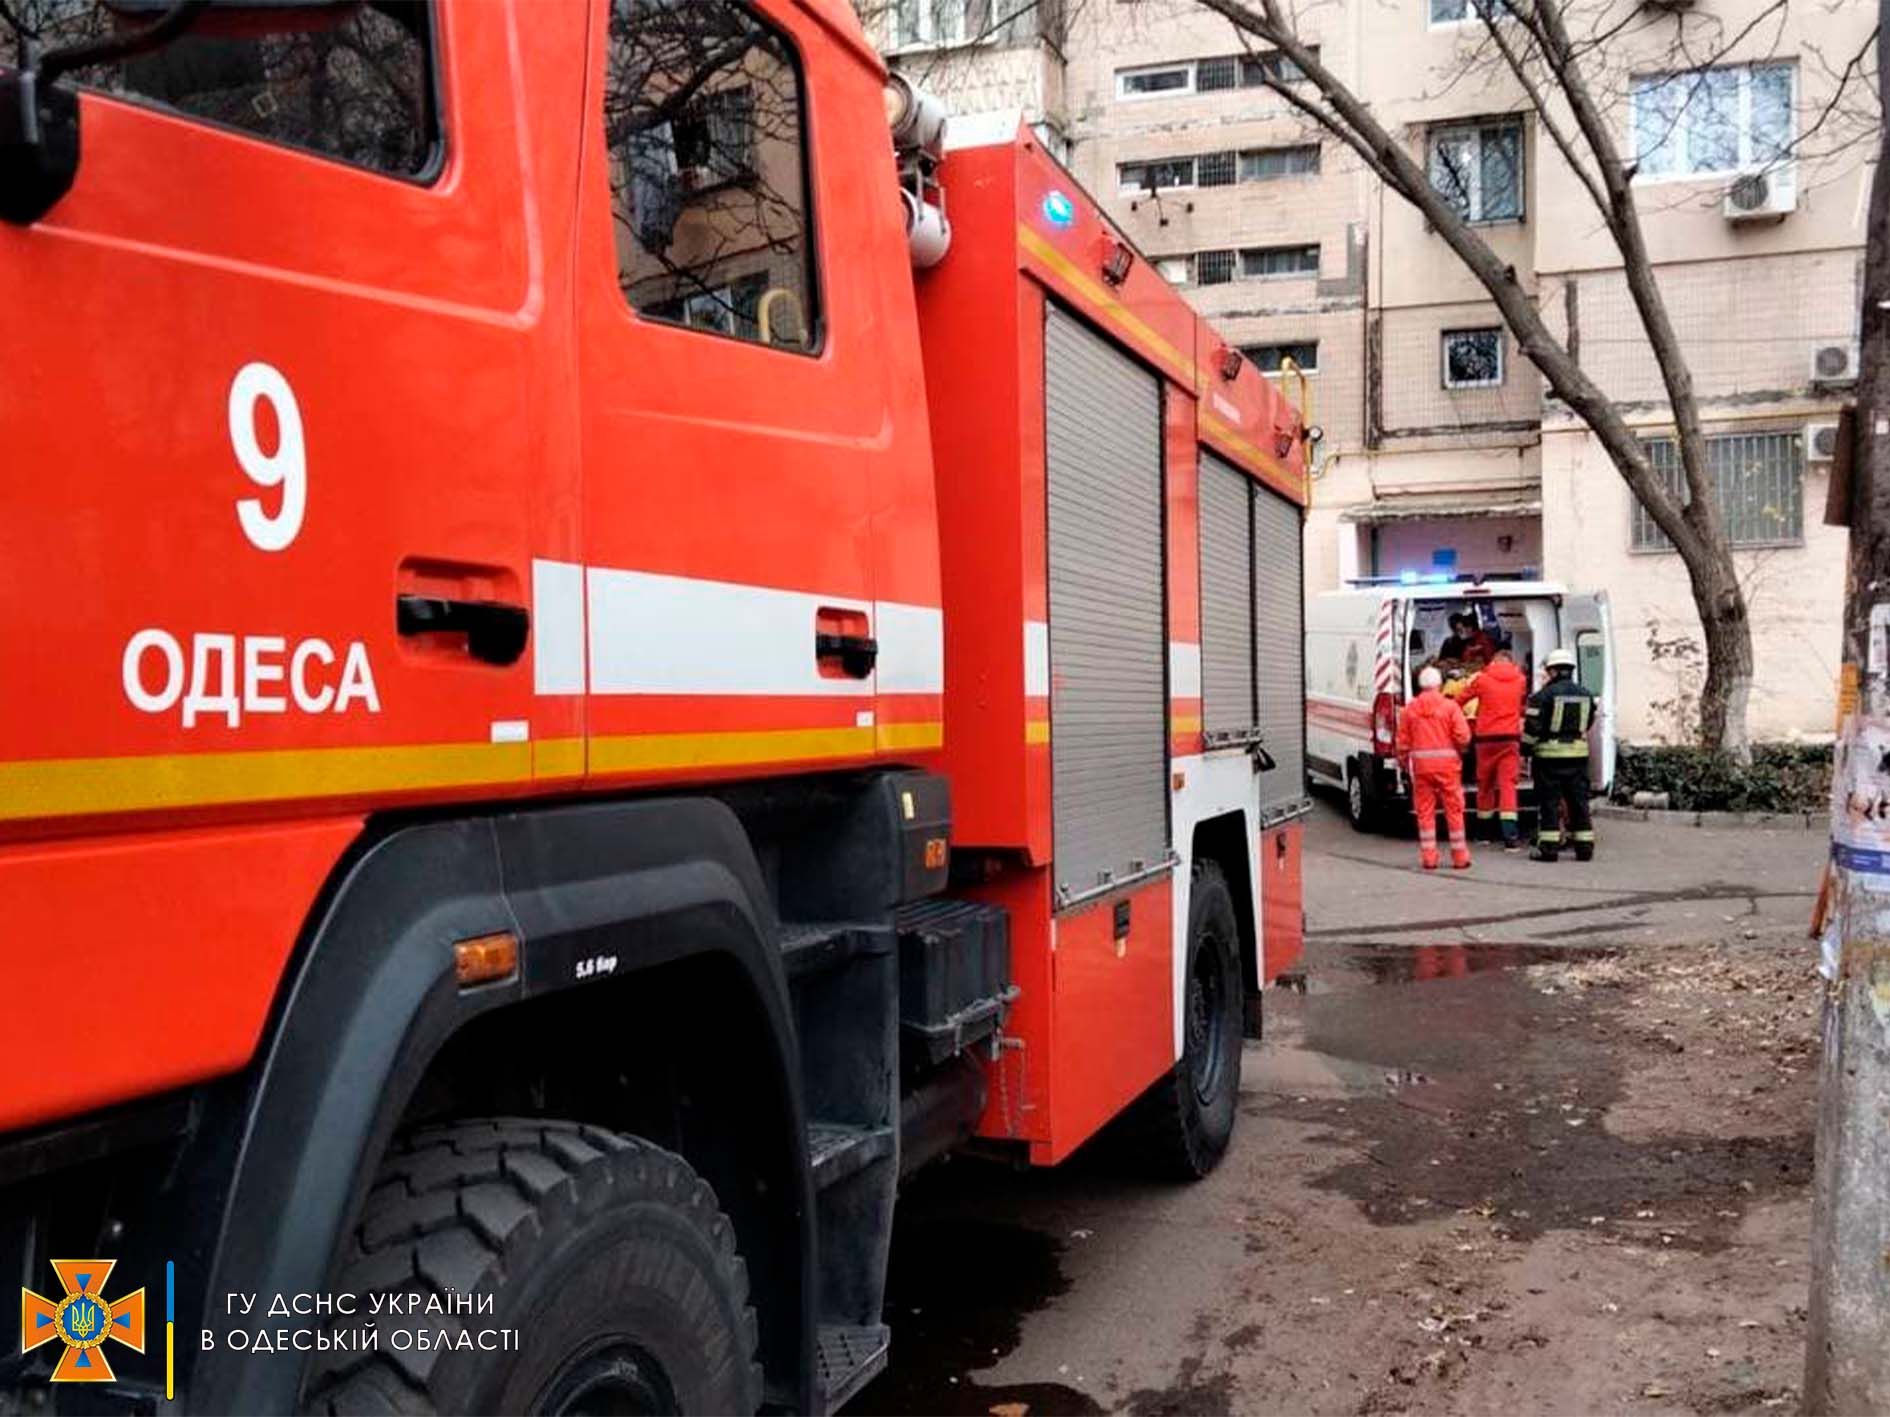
{"x":1366,"y":643}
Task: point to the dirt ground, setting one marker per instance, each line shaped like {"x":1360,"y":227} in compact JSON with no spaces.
{"x":1562,"y":1176}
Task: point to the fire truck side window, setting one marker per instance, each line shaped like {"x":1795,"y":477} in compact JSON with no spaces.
{"x":703,"y":115}
{"x":361,"y":90}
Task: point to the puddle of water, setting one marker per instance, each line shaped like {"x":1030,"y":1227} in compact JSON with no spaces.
{"x":1415,"y":964}
{"x":957,"y":1294}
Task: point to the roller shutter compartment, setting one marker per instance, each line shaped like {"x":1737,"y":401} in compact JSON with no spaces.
{"x":1280,"y":621}
{"x":1108,"y":634}
{"x":1227,"y":601}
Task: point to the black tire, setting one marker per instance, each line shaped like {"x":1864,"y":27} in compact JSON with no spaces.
{"x":1180,"y":1127}
{"x":609,"y":1257}
{"x":1359,"y":810}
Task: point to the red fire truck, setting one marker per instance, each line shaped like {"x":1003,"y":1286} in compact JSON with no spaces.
{"x":603,"y":660}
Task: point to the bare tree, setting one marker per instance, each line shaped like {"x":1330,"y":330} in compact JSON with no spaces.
{"x":1559,"y":59}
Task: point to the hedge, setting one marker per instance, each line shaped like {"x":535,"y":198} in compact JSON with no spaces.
{"x":1782,"y":777}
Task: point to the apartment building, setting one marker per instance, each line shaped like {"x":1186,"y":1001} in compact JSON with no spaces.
{"x":1443,"y":452}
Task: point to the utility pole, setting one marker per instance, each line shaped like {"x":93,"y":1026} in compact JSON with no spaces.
{"x":1847,"y":1354}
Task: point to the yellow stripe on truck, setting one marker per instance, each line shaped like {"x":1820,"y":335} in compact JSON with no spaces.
{"x":65,"y":787}
{"x":68,"y":787}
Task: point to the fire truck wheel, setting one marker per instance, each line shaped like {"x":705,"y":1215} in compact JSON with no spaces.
{"x":612,"y":1273}
{"x":1182,"y":1125}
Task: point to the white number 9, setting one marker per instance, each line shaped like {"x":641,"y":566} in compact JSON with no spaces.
{"x":286,"y":468}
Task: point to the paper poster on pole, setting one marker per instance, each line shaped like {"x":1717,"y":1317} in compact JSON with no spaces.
{"x":1860,"y":802}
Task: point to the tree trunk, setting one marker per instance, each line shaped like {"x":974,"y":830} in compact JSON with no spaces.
{"x":1847,"y":1333}
{"x":1728,"y":634}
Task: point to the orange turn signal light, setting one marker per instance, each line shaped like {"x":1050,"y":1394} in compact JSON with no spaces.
{"x":485,"y":958}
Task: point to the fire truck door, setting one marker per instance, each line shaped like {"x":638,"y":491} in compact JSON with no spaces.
{"x":733,"y":414}
{"x":264,"y":524}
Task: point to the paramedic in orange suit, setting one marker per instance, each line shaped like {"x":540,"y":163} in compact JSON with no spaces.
{"x":1499,"y":692}
{"x":1432,"y":734}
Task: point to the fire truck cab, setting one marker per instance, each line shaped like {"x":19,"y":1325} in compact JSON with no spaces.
{"x":576,"y":717}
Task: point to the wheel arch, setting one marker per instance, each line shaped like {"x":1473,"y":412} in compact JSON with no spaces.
{"x":373,"y":1021}
{"x":1228,"y":841}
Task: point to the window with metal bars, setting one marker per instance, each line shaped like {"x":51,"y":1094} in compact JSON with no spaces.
{"x":1213,"y":267}
{"x":1216,"y":169}
{"x":1222,"y":72}
{"x":1759,"y":479}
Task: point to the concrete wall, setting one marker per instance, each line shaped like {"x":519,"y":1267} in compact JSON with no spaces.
{"x":986,"y":78}
{"x":1502,"y":544}
{"x":1794,"y":596}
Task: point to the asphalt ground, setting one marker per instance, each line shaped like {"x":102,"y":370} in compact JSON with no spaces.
{"x":1535,"y":1137}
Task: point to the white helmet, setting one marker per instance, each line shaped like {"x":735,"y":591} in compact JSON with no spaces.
{"x":1559,"y":659}
{"x":1430,"y":677}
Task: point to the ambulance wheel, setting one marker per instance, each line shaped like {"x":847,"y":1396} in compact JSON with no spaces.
{"x":607,"y":1260}
{"x":1180,"y":1127}
{"x":1358,"y":806}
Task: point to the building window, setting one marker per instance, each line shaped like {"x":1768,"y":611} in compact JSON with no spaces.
{"x":726,"y":309}
{"x":1216,"y":169}
{"x":1220,"y":169}
{"x":1477,"y":168}
{"x":1759,"y":479}
{"x":358,"y":88}
{"x":703,"y":118}
{"x":1264,"y":164}
{"x":1268,"y":358}
{"x":1158,"y":81}
{"x":931,"y":24}
{"x":1176,"y":270}
{"x":1218,"y":73}
{"x":1213,"y":267}
{"x":1455,"y":12}
{"x":1712,"y":120}
{"x":1155,"y":176}
{"x":1257,"y":69}
{"x":1473,"y":359}
{"x":1279,"y":262}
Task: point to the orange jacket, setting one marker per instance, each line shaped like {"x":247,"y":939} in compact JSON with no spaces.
{"x":1499,"y":691}
{"x":1432,"y":734}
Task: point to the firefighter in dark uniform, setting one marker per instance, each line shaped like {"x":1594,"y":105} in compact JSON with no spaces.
{"x":1555,"y":735}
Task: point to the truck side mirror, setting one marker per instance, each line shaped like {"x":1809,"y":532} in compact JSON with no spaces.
{"x":39,"y":121}
{"x":39,"y":145}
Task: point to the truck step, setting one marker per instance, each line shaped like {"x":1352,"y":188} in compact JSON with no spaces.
{"x":836,"y":1151}
{"x":954,"y":976}
{"x":811,"y":945}
{"x":849,"y":1359}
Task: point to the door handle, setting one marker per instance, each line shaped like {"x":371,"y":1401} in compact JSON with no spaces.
{"x":1263,"y":761}
{"x":857,"y":654}
{"x":495,"y":632}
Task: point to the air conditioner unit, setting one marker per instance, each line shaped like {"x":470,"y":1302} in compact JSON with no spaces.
{"x":1834,"y":364}
{"x":1760,"y":196}
{"x":1821,"y":440}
